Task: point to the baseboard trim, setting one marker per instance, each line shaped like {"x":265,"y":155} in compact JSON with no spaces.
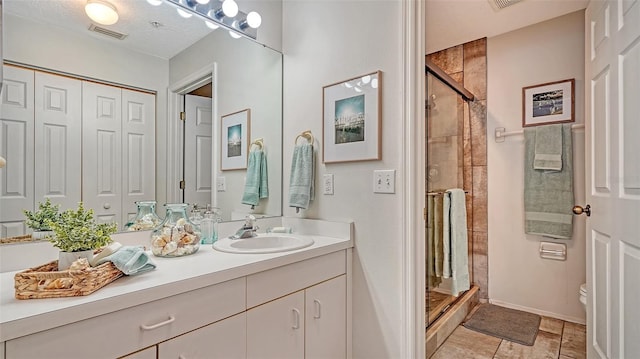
{"x":566,"y":318}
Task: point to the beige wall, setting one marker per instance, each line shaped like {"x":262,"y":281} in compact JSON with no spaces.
{"x":519,"y":278}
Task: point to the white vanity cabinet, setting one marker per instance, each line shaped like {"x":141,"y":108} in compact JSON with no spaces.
{"x":127,"y":331}
{"x":224,"y":339}
{"x":308,"y":323}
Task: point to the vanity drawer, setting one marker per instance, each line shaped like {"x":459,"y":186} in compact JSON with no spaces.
{"x":126,"y":331}
{"x":275,"y":283}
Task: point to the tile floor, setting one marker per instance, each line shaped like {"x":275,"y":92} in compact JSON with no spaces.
{"x":556,"y":339}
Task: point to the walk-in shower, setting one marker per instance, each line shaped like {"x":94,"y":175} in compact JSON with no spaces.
{"x":445,"y":126}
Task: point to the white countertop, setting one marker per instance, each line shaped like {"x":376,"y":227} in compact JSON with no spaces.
{"x":172,"y":276}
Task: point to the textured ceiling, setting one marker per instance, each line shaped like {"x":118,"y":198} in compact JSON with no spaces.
{"x":165,"y":41}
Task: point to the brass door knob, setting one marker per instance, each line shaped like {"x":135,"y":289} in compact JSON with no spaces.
{"x":579,"y":210}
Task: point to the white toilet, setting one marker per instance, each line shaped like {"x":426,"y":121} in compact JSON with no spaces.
{"x":583,"y":295}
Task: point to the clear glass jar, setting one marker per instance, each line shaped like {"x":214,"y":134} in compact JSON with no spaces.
{"x":209,"y":225}
{"x":176,"y":236}
{"x":145,"y":219}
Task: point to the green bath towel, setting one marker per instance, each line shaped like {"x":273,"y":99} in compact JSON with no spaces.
{"x":548,"y":196}
{"x":548,"y":151}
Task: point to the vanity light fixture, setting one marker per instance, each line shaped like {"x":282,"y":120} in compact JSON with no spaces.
{"x":155,"y":2}
{"x":102,"y":12}
{"x":226,"y":15}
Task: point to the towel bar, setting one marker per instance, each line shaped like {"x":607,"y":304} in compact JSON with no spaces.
{"x":258,"y":142}
{"x":500,"y":132}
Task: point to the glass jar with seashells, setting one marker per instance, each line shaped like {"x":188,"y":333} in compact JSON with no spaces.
{"x":176,"y":236}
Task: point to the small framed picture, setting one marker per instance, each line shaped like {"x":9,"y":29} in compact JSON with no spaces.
{"x":552,"y":102}
{"x":235,"y":145}
{"x":351,"y":119}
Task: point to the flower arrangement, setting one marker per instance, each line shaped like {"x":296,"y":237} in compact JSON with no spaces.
{"x":38,"y":220}
{"x":76,"y":230}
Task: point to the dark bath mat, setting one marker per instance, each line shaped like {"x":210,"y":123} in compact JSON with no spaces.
{"x":510,"y":324}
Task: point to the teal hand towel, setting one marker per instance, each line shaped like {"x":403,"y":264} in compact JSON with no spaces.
{"x":301,"y":187}
{"x":130,"y":260}
{"x":548,"y":196}
{"x":548,"y":148}
{"x":454,"y":235}
{"x":256,"y":184}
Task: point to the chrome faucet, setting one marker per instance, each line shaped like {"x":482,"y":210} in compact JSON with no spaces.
{"x":247,"y":230}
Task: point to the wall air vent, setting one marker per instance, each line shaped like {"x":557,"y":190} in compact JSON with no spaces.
{"x":107,"y":32}
{"x":501,"y":4}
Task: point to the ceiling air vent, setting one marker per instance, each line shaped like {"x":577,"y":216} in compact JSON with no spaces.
{"x":501,"y":4}
{"x":107,"y":32}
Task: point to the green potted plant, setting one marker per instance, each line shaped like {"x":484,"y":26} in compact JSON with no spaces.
{"x":77,"y":235}
{"x":38,"y":219}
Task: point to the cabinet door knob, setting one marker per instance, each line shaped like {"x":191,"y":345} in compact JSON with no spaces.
{"x":296,"y":318}
{"x":318,"y":308}
{"x":107,"y":205}
{"x":579,"y":210}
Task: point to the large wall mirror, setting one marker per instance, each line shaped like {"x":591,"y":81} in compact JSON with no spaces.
{"x":183,"y":65}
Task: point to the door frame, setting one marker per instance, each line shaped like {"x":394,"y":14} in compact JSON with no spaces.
{"x":175,"y":104}
{"x":413,"y":166}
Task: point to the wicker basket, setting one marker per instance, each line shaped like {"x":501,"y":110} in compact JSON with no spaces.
{"x":46,"y":281}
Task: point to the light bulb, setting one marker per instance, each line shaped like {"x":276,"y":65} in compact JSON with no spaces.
{"x":366,"y":79}
{"x":254,"y":19}
{"x":230,"y":8}
{"x":211,"y":25}
{"x":348,"y":85}
{"x":183,"y":13}
{"x":357,"y":89}
{"x":203,"y":2}
{"x":234,"y":35}
{"x":102,"y":12}
{"x":374,"y":83}
{"x":155,"y":2}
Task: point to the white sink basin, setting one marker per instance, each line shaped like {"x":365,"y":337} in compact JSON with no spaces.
{"x":263,"y":243}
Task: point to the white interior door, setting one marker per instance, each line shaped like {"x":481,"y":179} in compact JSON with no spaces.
{"x":198,"y":171}
{"x":16,"y":146}
{"x":138,"y":150}
{"x":58,"y":139}
{"x":102,"y":151}
{"x":613,"y":178}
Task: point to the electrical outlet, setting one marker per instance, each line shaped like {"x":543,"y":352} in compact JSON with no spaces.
{"x":327,"y":184}
{"x":221,"y":185}
{"x":384,"y":181}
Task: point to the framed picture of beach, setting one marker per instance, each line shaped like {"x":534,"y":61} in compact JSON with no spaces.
{"x":552,"y":102}
{"x":351,"y":119}
{"x":234,"y":142}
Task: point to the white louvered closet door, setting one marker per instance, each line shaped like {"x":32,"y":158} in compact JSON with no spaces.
{"x":16,"y":146}
{"x":58,"y":139}
{"x":138,"y":146}
{"x":102,"y":151}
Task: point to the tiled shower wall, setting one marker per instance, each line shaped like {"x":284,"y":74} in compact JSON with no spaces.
{"x":467,"y":64}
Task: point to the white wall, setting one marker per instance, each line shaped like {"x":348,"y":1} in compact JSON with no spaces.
{"x":249,"y":76}
{"x":325,"y":42}
{"x":518,"y":277}
{"x":58,"y":49}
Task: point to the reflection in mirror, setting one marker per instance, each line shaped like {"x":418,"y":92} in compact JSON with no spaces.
{"x":161,"y":59}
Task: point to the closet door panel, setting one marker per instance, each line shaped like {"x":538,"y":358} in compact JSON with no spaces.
{"x":138,"y":127}
{"x":102,"y":151}
{"x":58,"y":145}
{"x":16,"y":145}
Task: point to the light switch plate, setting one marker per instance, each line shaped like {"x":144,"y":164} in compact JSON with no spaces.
{"x":221,"y":185}
{"x":384,"y":181}
{"x":327,"y":184}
